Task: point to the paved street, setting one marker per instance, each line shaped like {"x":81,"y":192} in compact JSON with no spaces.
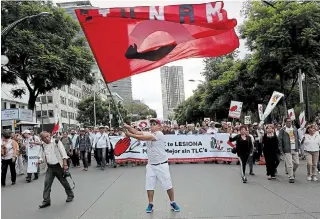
{"x":202,"y":191}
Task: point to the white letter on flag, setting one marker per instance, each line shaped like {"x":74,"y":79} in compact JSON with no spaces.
{"x":153,"y":13}
{"x":210,"y":11}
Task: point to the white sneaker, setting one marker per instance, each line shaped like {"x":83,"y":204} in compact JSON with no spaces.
{"x":314,"y":178}
{"x":309,"y":178}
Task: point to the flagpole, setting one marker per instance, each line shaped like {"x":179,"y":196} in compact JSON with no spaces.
{"x":117,"y":108}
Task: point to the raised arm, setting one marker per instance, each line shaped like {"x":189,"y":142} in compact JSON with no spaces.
{"x":132,"y":130}
{"x":232,"y":139}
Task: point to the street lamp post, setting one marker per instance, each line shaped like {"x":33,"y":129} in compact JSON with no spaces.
{"x":10,"y":27}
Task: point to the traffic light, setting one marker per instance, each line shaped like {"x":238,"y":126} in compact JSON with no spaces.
{"x":15,"y":123}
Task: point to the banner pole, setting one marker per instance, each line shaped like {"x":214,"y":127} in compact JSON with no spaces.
{"x":114,"y":102}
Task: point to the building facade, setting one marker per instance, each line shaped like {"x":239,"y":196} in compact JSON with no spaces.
{"x":172,"y":86}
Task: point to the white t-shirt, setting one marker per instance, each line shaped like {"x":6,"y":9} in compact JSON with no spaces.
{"x":156,"y":150}
{"x":312,"y":143}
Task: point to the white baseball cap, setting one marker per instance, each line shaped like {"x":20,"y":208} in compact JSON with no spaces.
{"x":27,"y":131}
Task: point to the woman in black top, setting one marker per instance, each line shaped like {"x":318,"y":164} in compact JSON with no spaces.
{"x":270,"y":151}
{"x":244,"y":149}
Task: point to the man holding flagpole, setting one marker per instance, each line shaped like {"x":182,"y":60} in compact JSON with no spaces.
{"x":157,"y":167}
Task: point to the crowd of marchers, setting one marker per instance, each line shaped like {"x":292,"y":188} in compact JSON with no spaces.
{"x":273,"y":142}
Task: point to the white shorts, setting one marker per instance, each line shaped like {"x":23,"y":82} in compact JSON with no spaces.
{"x":160,"y":172}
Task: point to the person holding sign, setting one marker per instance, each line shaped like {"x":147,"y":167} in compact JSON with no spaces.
{"x":157,"y":167}
{"x":32,"y":147}
{"x":54,"y":155}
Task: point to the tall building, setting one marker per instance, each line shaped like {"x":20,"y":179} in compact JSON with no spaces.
{"x":172,"y":86}
{"x":122,"y":87}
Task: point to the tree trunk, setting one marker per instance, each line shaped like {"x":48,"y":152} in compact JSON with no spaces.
{"x":32,"y":101}
{"x":284,"y":102}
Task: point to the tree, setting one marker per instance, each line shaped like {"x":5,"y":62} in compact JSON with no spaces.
{"x":284,"y":37}
{"x":44,"y":53}
{"x":140,"y":110}
{"x":86,"y":112}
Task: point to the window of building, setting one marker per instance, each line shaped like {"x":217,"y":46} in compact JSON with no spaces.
{"x":38,"y":114}
{"x":22,"y":107}
{"x":70,"y":103}
{"x":63,"y":100}
{"x":51,"y":114}
{"x":4,"y":105}
{"x":50,"y":99}
{"x":44,"y":99}
{"x":38,"y":99}
{"x":13,"y":106}
{"x":44,"y":113}
{"x":64,"y":114}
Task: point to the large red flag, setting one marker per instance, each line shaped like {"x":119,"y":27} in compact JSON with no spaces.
{"x":128,"y":41}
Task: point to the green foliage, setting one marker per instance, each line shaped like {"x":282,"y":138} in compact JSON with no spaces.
{"x":140,"y":111}
{"x":86,"y":112}
{"x":282,"y":39}
{"x":43,"y":52}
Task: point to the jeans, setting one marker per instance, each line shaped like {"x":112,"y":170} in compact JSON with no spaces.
{"x":4,"y":169}
{"x":52,"y":172}
{"x":84,"y":157}
{"x":102,"y":153}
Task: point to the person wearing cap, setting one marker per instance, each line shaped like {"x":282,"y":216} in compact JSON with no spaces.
{"x":31,"y":143}
{"x":157,"y":167}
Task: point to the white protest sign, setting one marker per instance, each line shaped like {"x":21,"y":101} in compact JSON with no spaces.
{"x":302,"y":119}
{"x":247,"y":120}
{"x":235,"y":109}
{"x":291,"y":114}
{"x":274,"y":100}
{"x":33,"y":157}
{"x":183,"y":148}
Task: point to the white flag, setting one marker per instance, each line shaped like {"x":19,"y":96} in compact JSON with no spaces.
{"x":260,"y":111}
{"x":291,"y":114}
{"x":302,"y":119}
{"x":235,"y":109}
{"x":274,"y":100}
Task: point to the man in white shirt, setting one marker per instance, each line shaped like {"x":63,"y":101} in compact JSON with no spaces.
{"x":212,"y":129}
{"x":54,"y":155}
{"x":157,"y":167}
{"x":101,"y":143}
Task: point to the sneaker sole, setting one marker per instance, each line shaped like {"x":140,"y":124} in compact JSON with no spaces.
{"x":175,"y":210}
{"x":149,"y":211}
